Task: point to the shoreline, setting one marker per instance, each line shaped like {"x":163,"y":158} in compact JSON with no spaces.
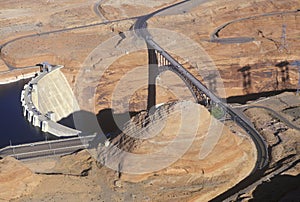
{"x":17,"y":75}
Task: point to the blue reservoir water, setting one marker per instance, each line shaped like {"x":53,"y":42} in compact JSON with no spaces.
{"x":14,"y":127}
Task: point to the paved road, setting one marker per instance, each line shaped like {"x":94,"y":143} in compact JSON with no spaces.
{"x":11,"y":67}
{"x":98,"y":12}
{"x":140,"y":29}
{"x":46,"y":148}
{"x":266,"y":178}
{"x":276,"y":114}
{"x":214,"y":37}
{"x":62,"y":146}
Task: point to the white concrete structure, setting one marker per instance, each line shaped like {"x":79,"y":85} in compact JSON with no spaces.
{"x":54,"y":95}
{"x":36,"y":121}
{"x":48,"y":98}
{"x":45,"y":126}
{"x":29,"y":116}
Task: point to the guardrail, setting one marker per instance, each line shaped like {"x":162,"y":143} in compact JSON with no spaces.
{"x":261,"y":146}
{"x":47,"y":148}
{"x":140,"y":28}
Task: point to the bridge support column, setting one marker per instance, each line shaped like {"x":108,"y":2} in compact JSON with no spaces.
{"x":153,"y":73}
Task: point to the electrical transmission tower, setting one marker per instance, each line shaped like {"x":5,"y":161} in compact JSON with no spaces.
{"x":283,"y":45}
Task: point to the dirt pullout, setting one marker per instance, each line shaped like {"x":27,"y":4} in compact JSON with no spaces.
{"x":3,"y":67}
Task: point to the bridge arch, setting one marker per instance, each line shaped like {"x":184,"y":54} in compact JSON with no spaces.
{"x":159,"y":64}
{"x":198,"y":96}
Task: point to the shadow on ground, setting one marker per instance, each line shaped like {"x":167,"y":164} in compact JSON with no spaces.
{"x":113,"y":123}
{"x":277,"y":188}
{"x":243,"y":99}
{"x":105,"y":122}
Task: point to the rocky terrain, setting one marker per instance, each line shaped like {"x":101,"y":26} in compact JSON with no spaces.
{"x":246,"y":68}
{"x":242,"y":66}
{"x":67,"y":32}
{"x":283,"y":139}
{"x":202,"y":179}
{"x":16,"y":179}
{"x":188,"y":177}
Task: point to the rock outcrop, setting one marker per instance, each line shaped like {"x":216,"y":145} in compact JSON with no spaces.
{"x":16,"y":179}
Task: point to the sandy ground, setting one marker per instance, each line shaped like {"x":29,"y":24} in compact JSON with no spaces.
{"x":284,"y":143}
{"x":77,"y":177}
{"x":262,"y":55}
{"x":124,"y":9}
{"x":71,"y":48}
{"x":16,"y":179}
{"x":3,"y":67}
{"x":20,"y":18}
{"x":35,"y":18}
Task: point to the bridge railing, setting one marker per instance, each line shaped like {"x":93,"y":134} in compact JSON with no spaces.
{"x":47,"y":148}
{"x":260,"y":143}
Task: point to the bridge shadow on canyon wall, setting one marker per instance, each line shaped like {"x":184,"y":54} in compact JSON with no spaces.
{"x":243,"y":99}
{"x":247,"y":82}
{"x":112,"y":123}
{"x":277,"y":81}
{"x":284,"y":71}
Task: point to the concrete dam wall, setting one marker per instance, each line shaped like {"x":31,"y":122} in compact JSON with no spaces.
{"x":54,"y":95}
{"x":48,"y":98}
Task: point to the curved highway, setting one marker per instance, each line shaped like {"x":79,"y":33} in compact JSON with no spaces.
{"x":214,"y":37}
{"x":11,"y":67}
{"x":49,"y":148}
{"x":98,"y":12}
{"x":57,"y":147}
{"x":276,"y":114}
{"x":140,"y":28}
{"x":141,"y":31}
